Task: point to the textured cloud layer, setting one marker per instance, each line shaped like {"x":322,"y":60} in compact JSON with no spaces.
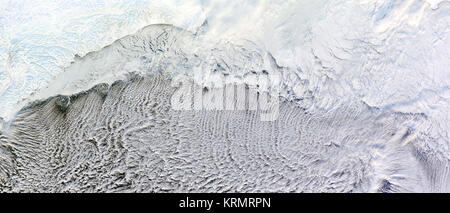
{"x":127,"y":138}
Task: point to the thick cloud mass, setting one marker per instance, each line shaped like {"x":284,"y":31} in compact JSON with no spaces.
{"x":363,"y":87}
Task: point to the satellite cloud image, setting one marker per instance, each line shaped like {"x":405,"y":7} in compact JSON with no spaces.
{"x":225,"y":96}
